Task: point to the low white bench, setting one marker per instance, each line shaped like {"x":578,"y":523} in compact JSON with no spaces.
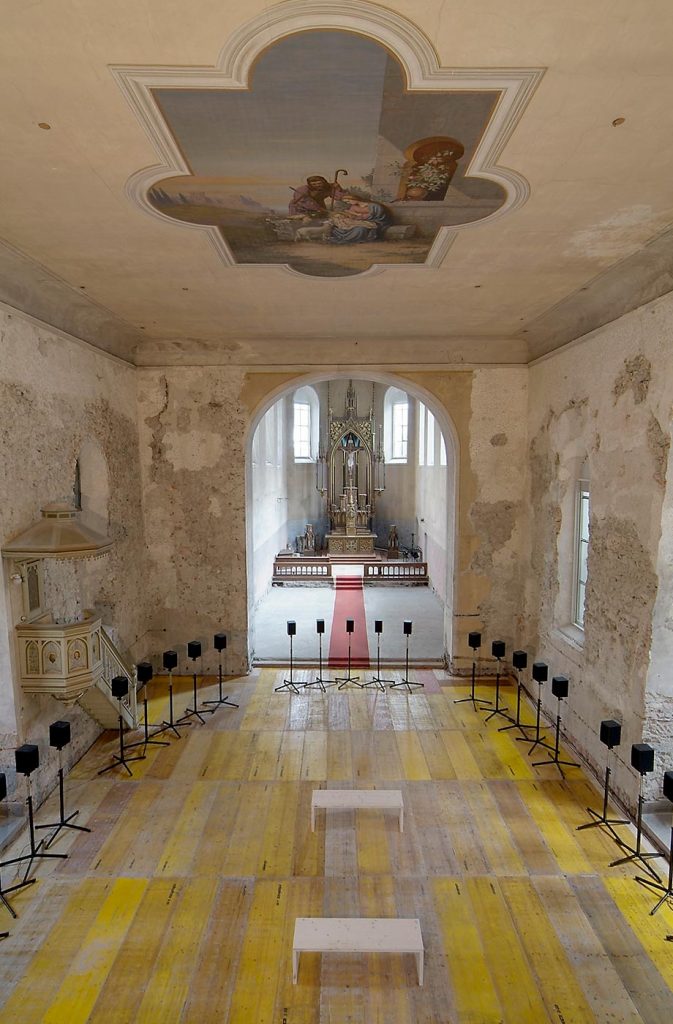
{"x":355,"y":799}
{"x":357,"y":935}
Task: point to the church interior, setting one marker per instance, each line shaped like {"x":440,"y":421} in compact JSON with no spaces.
{"x":337,"y":522}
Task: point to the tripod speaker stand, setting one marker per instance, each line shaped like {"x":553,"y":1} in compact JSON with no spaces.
{"x":519,"y":662}
{"x":319,"y":680}
{"x":498,"y":652}
{"x":194,"y":651}
{"x":144,"y":673}
{"x":289,"y":685}
{"x":341,"y":681}
{"x":474,"y":640}
{"x":559,"y":687}
{"x":665,"y":890}
{"x":59,"y":737}
{"x":220,"y":644}
{"x":540,"y":674}
{"x":19,"y":885}
{"x":377,"y":680}
{"x":27,"y":760}
{"x":407,"y":627}
{"x":611,"y":734}
{"x":170,"y":661}
{"x":120,"y":687}
{"x":642,"y":759}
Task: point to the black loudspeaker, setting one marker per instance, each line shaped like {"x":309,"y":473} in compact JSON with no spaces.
{"x":27,"y":758}
{"x":119,"y":686}
{"x":59,"y":734}
{"x":668,"y":785}
{"x":474,"y":640}
{"x":291,"y":628}
{"x":378,"y":625}
{"x":3,"y":785}
{"x":611,"y":733}
{"x":350,"y":625}
{"x":406,"y":627}
{"x":194,"y":649}
{"x":220,"y":641}
{"x":144,"y":671}
{"x":642,"y":758}
{"x":540,"y":671}
{"x":519,"y":659}
{"x":559,"y":687}
{"x":498,"y":648}
{"x":320,"y":625}
{"x":170,"y":660}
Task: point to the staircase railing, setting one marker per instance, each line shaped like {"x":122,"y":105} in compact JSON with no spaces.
{"x":114,"y":665}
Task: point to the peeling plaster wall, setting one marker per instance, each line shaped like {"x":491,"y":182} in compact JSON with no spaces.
{"x":59,"y":399}
{"x":193,"y":432}
{"x":606,"y":400}
{"x":497,"y":445}
{"x":485,"y":408}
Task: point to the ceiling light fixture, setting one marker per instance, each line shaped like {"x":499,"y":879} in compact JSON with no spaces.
{"x":617,"y":121}
{"x":43,"y":124}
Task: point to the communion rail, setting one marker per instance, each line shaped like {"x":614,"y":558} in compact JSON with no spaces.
{"x":304,"y":570}
{"x":397,"y":572}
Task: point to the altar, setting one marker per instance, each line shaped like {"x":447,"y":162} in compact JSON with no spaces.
{"x":351,"y":486}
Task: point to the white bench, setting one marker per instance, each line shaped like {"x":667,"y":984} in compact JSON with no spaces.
{"x":355,"y":799}
{"x":357,"y":935}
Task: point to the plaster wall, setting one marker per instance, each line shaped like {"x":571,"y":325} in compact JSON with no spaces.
{"x":62,"y":400}
{"x":269,"y":497}
{"x":606,"y":401}
{"x":304,"y":503}
{"x":431,"y":523}
{"x":193,"y":431}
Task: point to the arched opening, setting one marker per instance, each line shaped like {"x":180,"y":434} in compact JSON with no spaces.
{"x":355,"y":504}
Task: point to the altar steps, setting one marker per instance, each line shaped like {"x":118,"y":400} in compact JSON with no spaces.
{"x":348,"y":583}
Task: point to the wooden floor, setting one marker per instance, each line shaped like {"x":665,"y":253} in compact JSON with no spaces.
{"x":180,"y":904}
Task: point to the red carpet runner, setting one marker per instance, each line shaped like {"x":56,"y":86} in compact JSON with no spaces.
{"x":349,"y":603}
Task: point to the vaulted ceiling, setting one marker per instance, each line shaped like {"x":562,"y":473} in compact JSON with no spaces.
{"x":557,"y":217}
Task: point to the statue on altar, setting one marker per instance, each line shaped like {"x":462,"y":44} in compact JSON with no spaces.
{"x":309,"y":539}
{"x":393,"y":542}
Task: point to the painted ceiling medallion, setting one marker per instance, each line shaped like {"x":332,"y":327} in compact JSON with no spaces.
{"x":332,"y":151}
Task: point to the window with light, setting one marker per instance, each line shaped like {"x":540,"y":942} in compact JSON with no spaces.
{"x":581,"y":551}
{"x":302,"y":431}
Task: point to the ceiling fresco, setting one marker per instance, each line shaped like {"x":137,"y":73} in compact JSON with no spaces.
{"x":327,"y":162}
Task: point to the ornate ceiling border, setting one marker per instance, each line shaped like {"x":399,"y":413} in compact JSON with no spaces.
{"x":416,"y":55}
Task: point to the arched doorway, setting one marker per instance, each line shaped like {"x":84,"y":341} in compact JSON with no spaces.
{"x":405,"y":491}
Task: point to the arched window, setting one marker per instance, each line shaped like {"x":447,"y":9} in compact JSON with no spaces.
{"x":430,"y":460}
{"x":305,"y":424}
{"x":396,"y":425}
{"x":581,"y":546}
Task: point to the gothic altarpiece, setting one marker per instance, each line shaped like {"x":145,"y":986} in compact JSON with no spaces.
{"x":353,"y":471}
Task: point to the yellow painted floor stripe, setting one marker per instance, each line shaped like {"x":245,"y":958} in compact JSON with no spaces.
{"x":87,"y":973}
{"x":476,"y":996}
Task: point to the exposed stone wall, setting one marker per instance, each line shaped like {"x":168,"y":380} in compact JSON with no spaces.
{"x":193,"y":433}
{"x":485,"y":408}
{"x":59,"y":397}
{"x":604,"y":402}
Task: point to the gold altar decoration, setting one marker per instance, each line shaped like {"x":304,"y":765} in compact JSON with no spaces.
{"x":352,"y":464}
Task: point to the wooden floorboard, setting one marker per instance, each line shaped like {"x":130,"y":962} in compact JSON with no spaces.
{"x":179,"y":906}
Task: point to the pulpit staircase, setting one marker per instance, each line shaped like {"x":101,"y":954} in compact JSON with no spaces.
{"x":98,"y":700}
